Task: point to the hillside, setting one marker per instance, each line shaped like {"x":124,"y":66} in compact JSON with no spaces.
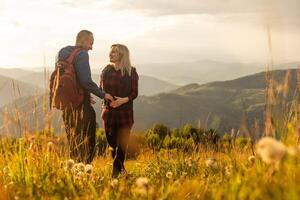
{"x":205,"y":71}
{"x":14,"y":73}
{"x":221,"y":105}
{"x":29,"y":113}
{"x":147,"y":85}
{"x":11,"y":89}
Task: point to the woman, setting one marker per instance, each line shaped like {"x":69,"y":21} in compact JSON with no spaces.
{"x":120,"y":80}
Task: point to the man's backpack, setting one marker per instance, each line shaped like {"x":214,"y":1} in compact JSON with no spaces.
{"x":65,"y":91}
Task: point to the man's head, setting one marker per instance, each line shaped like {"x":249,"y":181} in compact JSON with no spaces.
{"x":85,"y":39}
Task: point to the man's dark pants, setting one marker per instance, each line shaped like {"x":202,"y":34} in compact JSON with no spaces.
{"x":80,"y":125}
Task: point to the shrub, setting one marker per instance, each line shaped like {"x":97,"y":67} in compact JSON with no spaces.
{"x":153,"y":141}
{"x":159,"y":129}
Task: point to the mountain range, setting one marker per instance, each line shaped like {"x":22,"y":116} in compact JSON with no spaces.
{"x":206,"y":71}
{"x":12,"y":89}
{"x":35,"y":82}
{"x":223,"y":105}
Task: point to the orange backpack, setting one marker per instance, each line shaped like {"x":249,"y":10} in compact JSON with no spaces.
{"x":65,"y":91}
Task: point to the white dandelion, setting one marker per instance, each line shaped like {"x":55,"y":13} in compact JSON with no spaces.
{"x":169,"y":175}
{"x":142,"y":182}
{"x":142,"y":185}
{"x":228,"y":170}
{"x":190,"y":162}
{"x":211,"y":163}
{"x":50,"y":146}
{"x":70,"y":164}
{"x":114,"y":183}
{"x":270,"y":150}
{"x":88,"y":169}
{"x":184,"y":174}
{"x":251,"y":159}
{"x":79,"y":166}
{"x":79,"y":176}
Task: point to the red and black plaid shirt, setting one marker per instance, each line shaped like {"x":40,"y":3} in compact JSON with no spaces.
{"x":112,"y":82}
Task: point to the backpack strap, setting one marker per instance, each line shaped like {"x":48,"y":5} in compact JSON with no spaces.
{"x":72,"y":55}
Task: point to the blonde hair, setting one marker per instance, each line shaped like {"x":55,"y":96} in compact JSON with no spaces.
{"x":82,"y":36}
{"x":125,"y":63}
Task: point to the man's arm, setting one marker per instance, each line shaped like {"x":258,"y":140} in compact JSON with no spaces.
{"x":83,"y":70}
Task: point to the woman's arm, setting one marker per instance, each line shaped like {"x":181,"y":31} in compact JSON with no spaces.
{"x":101,"y":86}
{"x":134,"y":85}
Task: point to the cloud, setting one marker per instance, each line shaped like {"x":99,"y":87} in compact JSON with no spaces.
{"x":2,"y":5}
{"x":165,"y":7}
{"x":272,"y":11}
{"x":77,"y":3}
{"x":172,"y":31}
{"x":84,"y":3}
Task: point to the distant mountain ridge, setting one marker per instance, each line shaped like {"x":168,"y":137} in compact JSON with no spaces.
{"x":147,"y":85}
{"x":206,"y":71}
{"x":183,"y":73}
{"x":221,"y":105}
{"x":11,"y":89}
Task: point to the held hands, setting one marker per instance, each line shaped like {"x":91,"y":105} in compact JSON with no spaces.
{"x":109,"y":97}
{"x":116,"y":103}
{"x":120,"y":101}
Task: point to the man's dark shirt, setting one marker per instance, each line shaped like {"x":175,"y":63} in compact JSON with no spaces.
{"x":83,"y":70}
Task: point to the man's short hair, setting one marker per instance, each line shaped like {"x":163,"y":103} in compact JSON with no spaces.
{"x":82,"y":35}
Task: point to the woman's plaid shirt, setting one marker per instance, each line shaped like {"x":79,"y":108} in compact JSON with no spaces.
{"x":112,"y":82}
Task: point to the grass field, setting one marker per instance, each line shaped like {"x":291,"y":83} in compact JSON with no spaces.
{"x":39,"y":168}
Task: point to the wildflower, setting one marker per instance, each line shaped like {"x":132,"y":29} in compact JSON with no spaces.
{"x":142,"y":185}
{"x":88,"y":169}
{"x":50,"y":146}
{"x":114,"y":183}
{"x":176,"y":184}
{"x":142,"y":182}
{"x":251,"y":159}
{"x":75,"y":170}
{"x":228,"y":170}
{"x":270,"y":150}
{"x":190,"y":161}
{"x":70,"y":164}
{"x":80,"y":167}
{"x":5,"y":170}
{"x":79,"y":176}
{"x":211,"y":163}
{"x":169,"y":175}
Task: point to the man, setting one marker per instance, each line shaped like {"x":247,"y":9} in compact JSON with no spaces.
{"x":80,"y":123}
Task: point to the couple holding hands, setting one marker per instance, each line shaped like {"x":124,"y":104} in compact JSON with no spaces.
{"x":118,"y":88}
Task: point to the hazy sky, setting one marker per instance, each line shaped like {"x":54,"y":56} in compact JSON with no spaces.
{"x":155,"y":31}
